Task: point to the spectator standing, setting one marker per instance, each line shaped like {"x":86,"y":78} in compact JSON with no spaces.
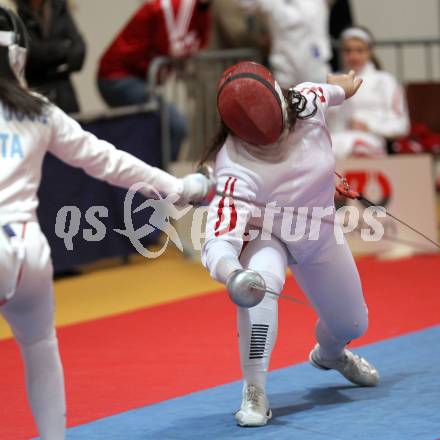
{"x":300,"y":46}
{"x":56,"y":50}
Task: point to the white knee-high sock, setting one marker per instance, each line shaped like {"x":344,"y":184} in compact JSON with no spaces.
{"x":257,"y":332}
{"x":45,"y":387}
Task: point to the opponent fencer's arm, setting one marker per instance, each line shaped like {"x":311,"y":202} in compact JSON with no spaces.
{"x":102,"y":160}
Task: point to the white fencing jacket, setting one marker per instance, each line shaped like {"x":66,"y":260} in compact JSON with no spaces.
{"x":25,"y":141}
{"x":380,"y":103}
{"x":302,"y":177}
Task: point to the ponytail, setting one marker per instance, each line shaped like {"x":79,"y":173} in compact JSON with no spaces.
{"x":375,"y":60}
{"x":13,"y":94}
{"x":216,"y":145}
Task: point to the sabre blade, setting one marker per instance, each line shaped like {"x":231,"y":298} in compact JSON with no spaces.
{"x":421,"y":234}
{"x":297,"y":301}
{"x":280,"y":295}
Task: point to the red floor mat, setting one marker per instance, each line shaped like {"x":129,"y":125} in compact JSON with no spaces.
{"x":131,"y":360}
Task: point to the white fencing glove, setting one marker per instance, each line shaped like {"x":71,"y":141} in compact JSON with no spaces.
{"x":196,"y":189}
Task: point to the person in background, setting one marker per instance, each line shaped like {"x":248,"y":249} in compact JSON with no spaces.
{"x":174,"y":28}
{"x":341,"y":18}
{"x":56,"y":50}
{"x":378,"y":113}
{"x":234,"y":27}
{"x":300,"y":43}
{"x":10,"y":4}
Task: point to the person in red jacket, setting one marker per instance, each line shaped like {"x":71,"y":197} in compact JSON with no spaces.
{"x":176,"y":28}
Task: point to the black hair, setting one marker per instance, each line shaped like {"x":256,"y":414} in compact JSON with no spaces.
{"x":217,"y":142}
{"x":12,"y":93}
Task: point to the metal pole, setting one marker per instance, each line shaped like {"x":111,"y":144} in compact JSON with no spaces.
{"x":428,"y":61}
{"x":400,"y":64}
{"x":438,"y":22}
{"x":165,"y":131}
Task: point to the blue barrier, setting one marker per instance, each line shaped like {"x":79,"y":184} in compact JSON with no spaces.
{"x":63,"y":185}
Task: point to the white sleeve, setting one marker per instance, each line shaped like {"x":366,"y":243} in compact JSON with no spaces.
{"x":394,"y":120}
{"x":328,"y":95}
{"x":319,"y":98}
{"x":335,"y":95}
{"x":226,"y":225}
{"x":100,"y":159}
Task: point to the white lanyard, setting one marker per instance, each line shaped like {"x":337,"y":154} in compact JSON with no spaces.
{"x":178,"y":27}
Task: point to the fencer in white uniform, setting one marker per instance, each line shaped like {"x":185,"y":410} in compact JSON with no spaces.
{"x":293,"y":168}
{"x":377,"y":113}
{"x":300,"y":42}
{"x":29,"y":128}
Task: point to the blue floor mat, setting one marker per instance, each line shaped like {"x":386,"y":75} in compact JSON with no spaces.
{"x":306,"y":403}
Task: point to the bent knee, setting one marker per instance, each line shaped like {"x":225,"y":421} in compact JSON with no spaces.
{"x":273,"y":284}
{"x":358,"y":328}
{"x":350,"y":329}
{"x":273,"y":281}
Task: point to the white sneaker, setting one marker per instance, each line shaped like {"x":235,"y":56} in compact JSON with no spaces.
{"x":254,"y":409}
{"x":353,"y":367}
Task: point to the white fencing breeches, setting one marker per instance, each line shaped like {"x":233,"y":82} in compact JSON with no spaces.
{"x":332,"y":286}
{"x":30,"y":313}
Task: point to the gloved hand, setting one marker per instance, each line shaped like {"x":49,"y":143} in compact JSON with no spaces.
{"x":246,"y":288}
{"x":345,"y":191}
{"x":196,"y":188}
{"x":208,"y":172}
{"x":349,"y":82}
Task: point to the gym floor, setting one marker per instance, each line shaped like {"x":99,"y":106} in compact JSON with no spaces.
{"x":150,"y":351}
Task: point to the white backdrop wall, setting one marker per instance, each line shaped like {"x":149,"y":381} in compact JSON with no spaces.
{"x":100,"y":20}
{"x":399,"y":18}
{"x":402,"y":19}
